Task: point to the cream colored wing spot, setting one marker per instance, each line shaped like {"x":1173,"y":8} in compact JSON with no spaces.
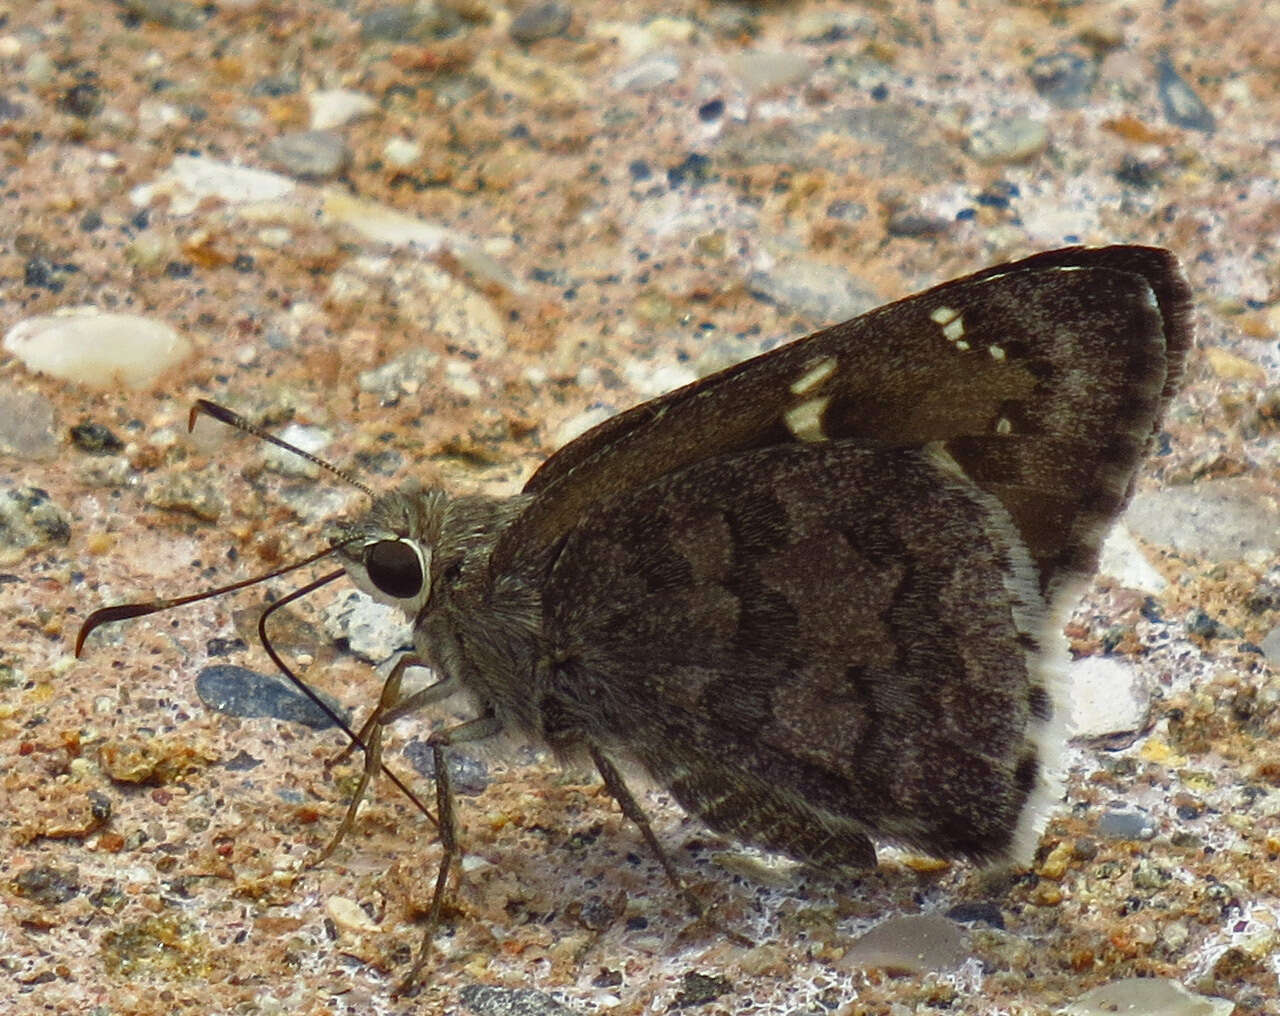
{"x":1004,"y":425}
{"x":814,"y":375}
{"x":805,"y":420}
{"x":952,"y":325}
{"x":997,"y":353}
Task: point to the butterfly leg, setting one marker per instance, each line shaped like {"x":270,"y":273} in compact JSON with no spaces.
{"x":618,"y":789}
{"x":473,"y":730}
{"x":391,"y":706}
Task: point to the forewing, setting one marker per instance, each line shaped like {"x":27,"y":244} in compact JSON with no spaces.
{"x":859,"y":630}
{"x":1044,"y":378}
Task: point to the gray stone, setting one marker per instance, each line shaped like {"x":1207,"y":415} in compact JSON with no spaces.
{"x":1146,"y":996}
{"x":1126,"y":825}
{"x":1182,"y":106}
{"x":917,"y":944}
{"x":541,"y":21}
{"x":1064,"y":78}
{"x":315,"y":155}
{"x":1015,"y":139}
{"x":823,"y":292}
{"x":238,"y":691}
{"x":373,"y":631}
{"x":1107,"y":697}
{"x":29,"y":520}
{"x":492,"y":1000}
{"x":1222,"y":520}
{"x":26,"y":424}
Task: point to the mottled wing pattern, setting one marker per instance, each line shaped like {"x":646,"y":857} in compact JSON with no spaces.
{"x":860,"y":629}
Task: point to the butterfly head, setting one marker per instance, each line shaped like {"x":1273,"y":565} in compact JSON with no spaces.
{"x":411,"y":549}
{"x":389,"y":551}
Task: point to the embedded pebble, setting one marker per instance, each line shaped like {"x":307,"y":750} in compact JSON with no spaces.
{"x":26,"y":424}
{"x":238,"y":691}
{"x":311,"y":155}
{"x":823,"y":292}
{"x":412,"y":22}
{"x":768,"y":70}
{"x":1126,"y":825}
{"x":492,"y":1000}
{"x":349,"y":917}
{"x":697,"y":988}
{"x":1016,"y":139}
{"x":188,"y":492}
{"x":1228,"y":519}
{"x":29,"y":520}
{"x":1147,"y":996}
{"x":831,"y":25}
{"x":916,"y":944}
{"x":371,"y":630}
{"x":1107,"y":697}
{"x":908,"y":222}
{"x":179,"y":14}
{"x":99,"y":350}
{"x":1064,"y":78}
{"x":190,"y":180}
{"x":653,"y":71}
{"x":1182,"y":106}
{"x":95,"y":439}
{"x":129,"y":761}
{"x":470,"y":776}
{"x":1270,"y":646}
{"x":46,"y":884}
{"x":540,"y":21}
{"x":382,"y":224}
{"x":977,"y":912}
{"x":404,"y":375}
{"x":401,"y":152}
{"x":337,"y":107}
{"x":287,"y":82}
{"x":650,"y":379}
{"x":1124,"y":560}
{"x":1203,"y":626}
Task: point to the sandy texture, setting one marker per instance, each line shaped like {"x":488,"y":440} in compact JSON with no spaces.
{"x":506,"y":230}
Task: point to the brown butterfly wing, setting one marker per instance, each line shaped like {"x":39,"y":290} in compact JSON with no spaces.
{"x":852,"y":643}
{"x":1044,"y":378}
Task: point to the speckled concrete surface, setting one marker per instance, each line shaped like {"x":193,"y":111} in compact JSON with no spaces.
{"x":472,"y":236}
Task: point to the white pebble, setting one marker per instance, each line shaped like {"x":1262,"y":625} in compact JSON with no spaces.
{"x":96,"y":349}
{"x":337,"y":107}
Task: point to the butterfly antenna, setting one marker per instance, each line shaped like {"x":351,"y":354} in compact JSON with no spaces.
{"x":126,"y":611}
{"x":234,"y":419}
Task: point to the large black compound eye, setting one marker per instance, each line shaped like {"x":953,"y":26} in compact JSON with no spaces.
{"x":395,"y":568}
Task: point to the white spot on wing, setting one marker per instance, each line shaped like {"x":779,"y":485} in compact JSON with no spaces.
{"x":954,"y":329}
{"x":996,"y":353}
{"x":1004,"y":426}
{"x":944,"y":315}
{"x":814,"y":376}
{"x":805,"y":420}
